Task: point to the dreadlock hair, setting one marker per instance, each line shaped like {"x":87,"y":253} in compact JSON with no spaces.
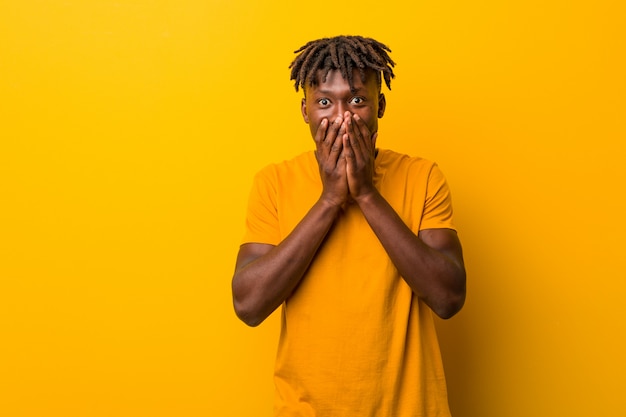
{"x":341,"y":53}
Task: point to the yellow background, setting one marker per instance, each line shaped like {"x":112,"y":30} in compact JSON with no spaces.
{"x":129,"y":134}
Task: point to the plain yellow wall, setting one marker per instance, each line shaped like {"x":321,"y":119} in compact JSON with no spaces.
{"x":129,"y":134}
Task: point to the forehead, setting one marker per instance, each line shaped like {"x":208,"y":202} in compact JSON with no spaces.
{"x":334,"y":80}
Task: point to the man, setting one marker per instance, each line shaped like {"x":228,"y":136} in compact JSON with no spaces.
{"x":358,"y":246}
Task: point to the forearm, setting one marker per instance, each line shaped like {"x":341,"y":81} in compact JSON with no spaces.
{"x":262,"y":283}
{"x":434,"y":275}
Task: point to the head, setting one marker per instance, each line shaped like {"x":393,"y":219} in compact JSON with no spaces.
{"x":345,"y":73}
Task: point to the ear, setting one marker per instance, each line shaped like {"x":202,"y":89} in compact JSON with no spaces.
{"x":382,"y":104}
{"x":304,"y":112}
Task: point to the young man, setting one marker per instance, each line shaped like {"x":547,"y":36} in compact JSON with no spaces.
{"x":358,"y":246}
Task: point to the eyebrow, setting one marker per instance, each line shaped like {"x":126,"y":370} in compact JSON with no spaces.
{"x":353,"y":91}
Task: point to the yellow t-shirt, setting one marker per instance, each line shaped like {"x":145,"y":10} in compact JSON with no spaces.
{"x":355,"y":340}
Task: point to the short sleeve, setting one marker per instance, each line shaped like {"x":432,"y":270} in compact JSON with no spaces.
{"x":261,"y":216}
{"x":438,"y":203}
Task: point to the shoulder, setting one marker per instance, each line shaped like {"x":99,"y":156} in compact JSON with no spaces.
{"x":398,"y":170}
{"x":392,"y":162}
{"x":392,"y":157}
{"x":297,"y":172}
{"x":301,"y":163}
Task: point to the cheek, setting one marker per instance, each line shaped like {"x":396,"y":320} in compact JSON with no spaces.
{"x":315,"y":118}
{"x":313,"y":126}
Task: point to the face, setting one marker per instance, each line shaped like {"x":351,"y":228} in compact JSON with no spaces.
{"x":332,"y":98}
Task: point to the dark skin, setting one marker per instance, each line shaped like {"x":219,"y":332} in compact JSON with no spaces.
{"x":344,"y":126}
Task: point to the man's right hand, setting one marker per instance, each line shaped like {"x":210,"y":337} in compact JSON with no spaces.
{"x":332,"y":164}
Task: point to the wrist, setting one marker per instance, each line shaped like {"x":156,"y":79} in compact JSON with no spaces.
{"x":367,"y":198}
{"x":330,"y":206}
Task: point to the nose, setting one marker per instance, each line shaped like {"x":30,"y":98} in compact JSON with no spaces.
{"x":340,"y":109}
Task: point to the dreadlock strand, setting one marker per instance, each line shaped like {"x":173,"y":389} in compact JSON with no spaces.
{"x":357,"y":44}
{"x":373,"y":65}
{"x":343,"y":67}
{"x":297,"y":65}
{"x":302,"y":48}
{"x":379,"y":51}
{"x":320,"y":58}
{"x":388,"y":78}
{"x":354,"y":57}
{"x":302,"y":74}
{"x":346,"y":62}
{"x":375,"y":55}
{"x":333,"y":54}
{"x":327,"y":67}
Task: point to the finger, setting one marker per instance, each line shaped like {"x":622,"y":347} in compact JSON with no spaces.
{"x":331,"y":152}
{"x":325,"y":137}
{"x":359,"y":148}
{"x":363,"y":132}
{"x":336,"y":148}
{"x":356,"y":130}
{"x":341,"y":167}
{"x":331,"y":135}
{"x":333,"y":129}
{"x":321,"y":132}
{"x":348,"y":153}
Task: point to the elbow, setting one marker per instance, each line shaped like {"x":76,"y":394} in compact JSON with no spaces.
{"x":247,"y":314}
{"x":450,"y":307}
{"x":452,"y":302}
{"x":246,"y":308}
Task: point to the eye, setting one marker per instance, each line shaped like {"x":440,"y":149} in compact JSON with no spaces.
{"x":357,"y":100}
{"x":323,"y":101}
